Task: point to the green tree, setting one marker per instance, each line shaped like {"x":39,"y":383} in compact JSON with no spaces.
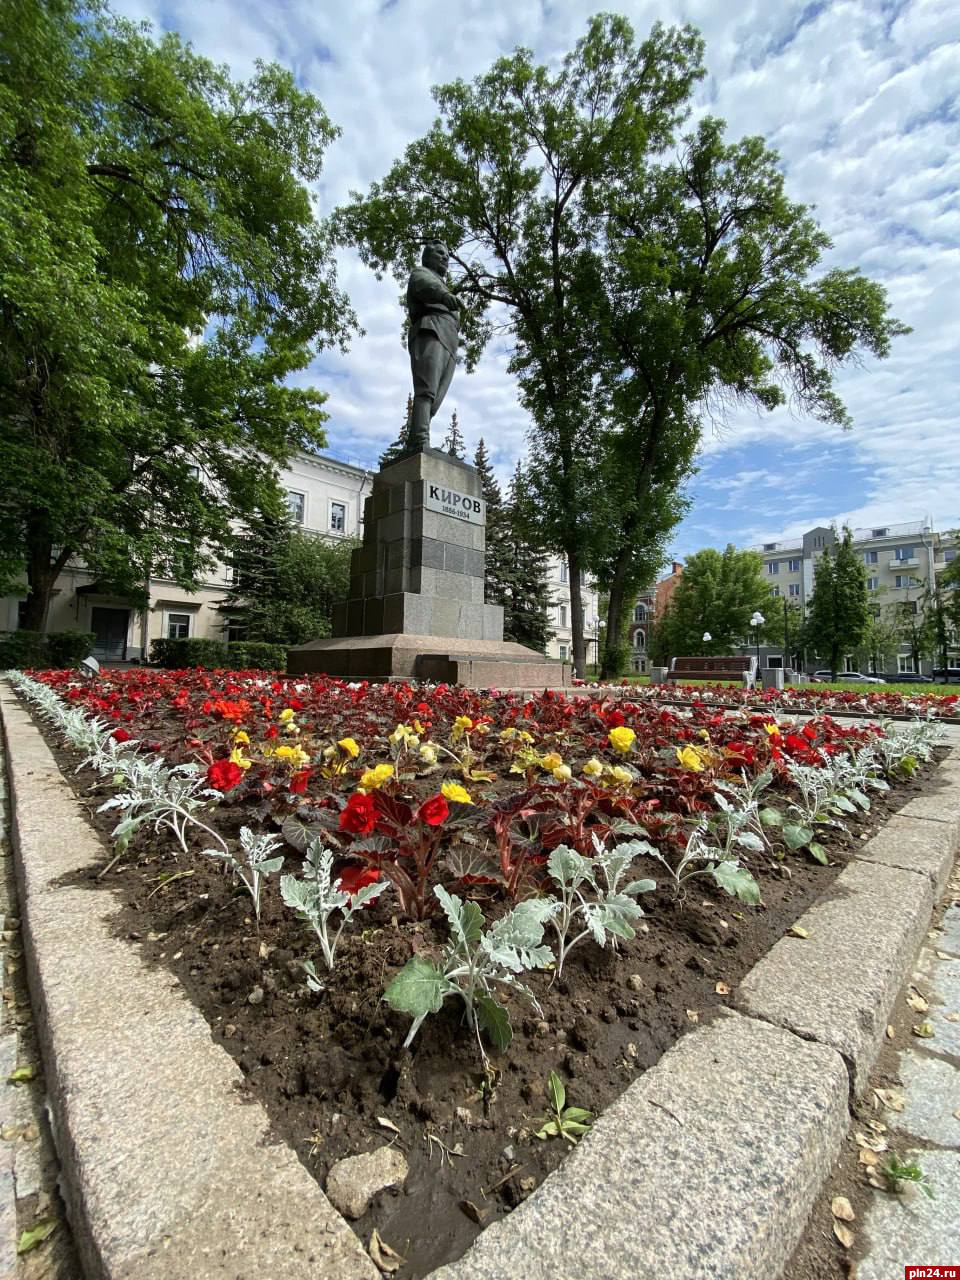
{"x":146,"y":200}
{"x":636,"y":287}
{"x":454,"y":442}
{"x":838,"y":617}
{"x":498,"y":559}
{"x":285,"y":582}
{"x":403,"y":444}
{"x":881,"y":641}
{"x":527,"y":596}
{"x":717,"y":594}
{"x":948,"y":589}
{"x":783,"y":626}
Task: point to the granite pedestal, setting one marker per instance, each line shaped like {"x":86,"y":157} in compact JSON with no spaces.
{"x":416,"y":606}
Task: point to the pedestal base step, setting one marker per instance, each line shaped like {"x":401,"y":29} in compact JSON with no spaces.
{"x":477,"y":664}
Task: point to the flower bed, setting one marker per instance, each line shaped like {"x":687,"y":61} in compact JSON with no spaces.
{"x":482,"y":844}
{"x":801,"y":699}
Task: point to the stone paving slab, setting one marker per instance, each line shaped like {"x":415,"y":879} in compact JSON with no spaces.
{"x":170,"y":1170}
{"x":705,"y":1167}
{"x":931,"y":1089}
{"x":914,"y":844}
{"x":949,"y":937}
{"x":838,"y":985}
{"x":941,"y":806}
{"x":918,"y":1230}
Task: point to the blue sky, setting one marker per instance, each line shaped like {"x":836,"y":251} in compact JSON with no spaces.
{"x":860,"y":97}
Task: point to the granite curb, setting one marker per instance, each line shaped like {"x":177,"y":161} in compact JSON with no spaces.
{"x":707,"y":1166}
{"x":181,"y":1180}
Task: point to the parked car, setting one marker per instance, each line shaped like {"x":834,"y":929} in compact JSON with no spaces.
{"x":820,"y":677}
{"x":911,"y":677}
{"x":952,"y":673}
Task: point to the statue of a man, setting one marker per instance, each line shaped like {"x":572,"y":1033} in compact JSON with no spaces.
{"x":434,"y":330}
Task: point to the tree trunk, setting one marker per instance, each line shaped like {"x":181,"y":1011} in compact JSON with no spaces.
{"x":42,"y":574}
{"x":615,"y":606}
{"x":576,"y":616}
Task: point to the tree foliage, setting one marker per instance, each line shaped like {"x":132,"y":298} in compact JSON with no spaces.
{"x":718,"y":593}
{"x":638,"y":287}
{"x":527,"y":599}
{"x":403,"y":443}
{"x":454,"y":443}
{"x":499,"y":553}
{"x":838,"y":615}
{"x":146,"y":199}
{"x":285,"y":582}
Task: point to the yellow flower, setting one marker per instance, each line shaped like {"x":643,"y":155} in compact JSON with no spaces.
{"x":593,"y":768}
{"x":525,"y":737}
{"x":374,"y":778}
{"x":241,"y":738}
{"x":286,"y":715}
{"x":419,"y":727}
{"x":349,"y":748}
{"x":463,"y":723}
{"x":619,"y":774}
{"x":690,"y":758}
{"x":428,"y":753}
{"x":481,"y":728}
{"x":621,"y":739}
{"x":291,"y":728}
{"x":453,"y":791}
{"x":237,"y":757}
{"x":507,"y":735}
{"x":552,"y":760}
{"x":773,"y":730}
{"x":562,"y":773}
{"x":292,"y":755}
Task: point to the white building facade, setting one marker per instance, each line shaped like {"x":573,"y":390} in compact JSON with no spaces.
{"x":560,"y":613}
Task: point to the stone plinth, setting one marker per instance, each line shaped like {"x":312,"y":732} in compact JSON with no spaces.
{"x":420,"y":568}
{"x":416,"y":607}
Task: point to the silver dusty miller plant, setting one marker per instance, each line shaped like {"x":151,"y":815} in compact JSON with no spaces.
{"x":316,"y":896}
{"x":590,"y":894}
{"x":258,"y":861}
{"x":472,"y":964}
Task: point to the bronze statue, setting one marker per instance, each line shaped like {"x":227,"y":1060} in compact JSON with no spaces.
{"x":434,"y":331}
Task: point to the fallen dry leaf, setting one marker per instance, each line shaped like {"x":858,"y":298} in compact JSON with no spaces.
{"x":924,"y":1030}
{"x":869,"y":1158}
{"x":876,"y":1181}
{"x":798,"y":931}
{"x":722,"y":989}
{"x":841,"y":1208}
{"x":844,"y":1235}
{"x":956,"y":1114}
{"x":890,"y":1099}
{"x":916,"y":1001}
{"x":384,"y":1123}
{"x":951,"y":1017}
{"x":387,"y":1259}
{"x":891,"y":1032}
{"x":692,"y":1015}
{"x":875,"y":1143}
{"x":474,"y":1213}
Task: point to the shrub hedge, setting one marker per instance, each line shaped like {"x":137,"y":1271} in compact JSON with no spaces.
{"x":19,"y":649}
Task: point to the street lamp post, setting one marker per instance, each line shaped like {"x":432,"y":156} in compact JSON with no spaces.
{"x":707,"y":637}
{"x":786,"y":635}
{"x":757,"y":621}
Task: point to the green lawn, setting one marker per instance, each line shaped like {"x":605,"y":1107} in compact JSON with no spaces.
{"x":842,"y":686}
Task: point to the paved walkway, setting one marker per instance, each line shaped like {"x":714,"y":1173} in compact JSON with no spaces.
{"x":28,"y":1164}
{"x":914,"y":1228}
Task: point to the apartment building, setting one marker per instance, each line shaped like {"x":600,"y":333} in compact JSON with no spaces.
{"x":901,"y":562}
{"x":561,"y":613}
{"x":324,"y":496}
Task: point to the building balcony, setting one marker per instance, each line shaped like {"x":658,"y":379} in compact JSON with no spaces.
{"x":905,"y":564}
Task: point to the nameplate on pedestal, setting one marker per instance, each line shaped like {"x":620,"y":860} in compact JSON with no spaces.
{"x":450,"y":502}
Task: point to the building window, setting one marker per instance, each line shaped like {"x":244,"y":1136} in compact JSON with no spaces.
{"x":795,"y":590}
{"x":773,"y":566}
{"x":562,"y":615}
{"x":563,"y":653}
{"x":640,"y":613}
{"x":178,"y":626}
{"x":873,"y":584}
{"x":793,"y":566}
{"x":870,"y":557}
{"x":564,"y":571}
{"x":296,"y":505}
{"x":903,"y":553}
{"x":875,"y":612}
{"x":338,"y":517}
{"x":949,"y":554}
{"x":775,"y":591}
{"x":878,"y":533}
{"x":769,"y":546}
{"x":902,"y":580}
{"x":775,"y":660}
{"x":905,"y":663}
{"x":819,"y":540}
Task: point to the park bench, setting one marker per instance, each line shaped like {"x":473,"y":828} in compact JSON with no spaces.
{"x":717,"y":668}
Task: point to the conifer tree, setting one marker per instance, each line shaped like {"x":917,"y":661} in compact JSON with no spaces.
{"x":498,"y":553}
{"x":403,"y":443}
{"x":839,"y":614}
{"x":525,"y":616}
{"x":454,"y":442}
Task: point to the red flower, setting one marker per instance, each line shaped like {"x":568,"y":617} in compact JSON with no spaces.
{"x":433,"y":811}
{"x":615,"y":719}
{"x":120,"y":735}
{"x":298,"y":783}
{"x":360,"y":814}
{"x":223,"y":775}
{"x":353,"y":878}
{"x":809,"y":731}
{"x":271,"y":731}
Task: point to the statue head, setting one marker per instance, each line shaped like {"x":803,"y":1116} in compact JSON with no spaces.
{"x":436,"y":256}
